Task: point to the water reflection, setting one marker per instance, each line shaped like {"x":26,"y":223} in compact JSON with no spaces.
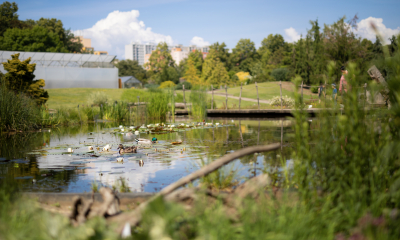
{"x":43,"y":155}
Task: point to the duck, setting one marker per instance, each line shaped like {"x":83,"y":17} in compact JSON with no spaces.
{"x":141,"y":163}
{"x":70,"y":150}
{"x":123,"y":149}
{"x":120,"y":159}
{"x":146,"y":141}
{"x":106,"y":148}
{"x":90,"y":148}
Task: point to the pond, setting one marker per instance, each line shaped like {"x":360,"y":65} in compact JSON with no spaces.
{"x":40,"y":161}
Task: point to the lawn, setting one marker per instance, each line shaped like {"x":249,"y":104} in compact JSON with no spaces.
{"x":267,"y":90}
{"x":71,"y":97}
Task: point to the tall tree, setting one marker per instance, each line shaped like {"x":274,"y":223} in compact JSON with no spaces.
{"x":218,"y":74}
{"x":131,"y":68}
{"x":9,"y":17}
{"x":37,"y":39}
{"x":66,"y":36}
{"x":342,"y":45}
{"x":272,"y":43}
{"x":159,"y":62}
{"x":197,"y":59}
{"x":192,"y":73}
{"x":244,"y":54}
{"x":220,"y":51}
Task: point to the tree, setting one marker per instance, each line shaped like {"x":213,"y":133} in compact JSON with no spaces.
{"x":66,"y":36}
{"x":37,"y":39}
{"x":159,"y":62}
{"x":214,"y":72}
{"x":20,"y":79}
{"x":393,"y":45}
{"x":9,"y":17}
{"x":192,"y":73}
{"x":131,"y":68}
{"x":220,"y":51}
{"x":197,"y":59}
{"x":343,"y":46}
{"x":272,"y":43}
{"x":244,"y":54}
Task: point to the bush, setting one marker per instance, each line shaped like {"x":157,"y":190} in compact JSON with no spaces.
{"x":188,"y":86}
{"x":97,"y":98}
{"x":167,"y":84}
{"x":280,"y":74}
{"x":286,"y":101}
{"x":151,"y":86}
{"x":314,"y":89}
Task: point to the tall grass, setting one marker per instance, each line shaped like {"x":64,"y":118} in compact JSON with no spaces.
{"x":17,"y":112}
{"x":198,"y":98}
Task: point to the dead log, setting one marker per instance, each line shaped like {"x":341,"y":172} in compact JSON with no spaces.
{"x":134,"y":217}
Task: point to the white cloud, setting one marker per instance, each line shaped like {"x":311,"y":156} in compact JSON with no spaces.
{"x":292,"y":35}
{"x":366,"y":31}
{"x":199,"y":41}
{"x":119,"y":29}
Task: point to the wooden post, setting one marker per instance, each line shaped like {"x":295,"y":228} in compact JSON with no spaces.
{"x":79,"y":114}
{"x":184,"y":100}
{"x":258,"y":135}
{"x":302,"y":91}
{"x":240,"y":96}
{"x":365,"y":94}
{"x":325,"y":93}
{"x":280,"y":84}
{"x":258,"y":99}
{"x":212,"y":97}
{"x":137,"y":107}
{"x":240,"y":131}
{"x":281,"y":134}
{"x":226,"y":98}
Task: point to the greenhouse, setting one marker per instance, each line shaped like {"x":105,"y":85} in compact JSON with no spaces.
{"x":70,"y":70}
{"x":130,"y":81}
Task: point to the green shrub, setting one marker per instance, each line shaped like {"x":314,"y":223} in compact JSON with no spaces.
{"x":188,"y":86}
{"x":314,"y":89}
{"x":97,"y":98}
{"x":280,"y":74}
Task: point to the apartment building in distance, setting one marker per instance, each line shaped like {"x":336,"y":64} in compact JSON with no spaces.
{"x":138,"y":51}
{"x":87,"y":46}
{"x":141,"y":52}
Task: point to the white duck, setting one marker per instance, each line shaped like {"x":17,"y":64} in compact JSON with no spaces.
{"x":90,"y":148}
{"x":70,"y":150}
{"x":120,"y":159}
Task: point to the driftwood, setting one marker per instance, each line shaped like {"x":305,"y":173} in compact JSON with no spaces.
{"x":83,"y":209}
{"x":375,"y":74}
{"x":134,"y":217}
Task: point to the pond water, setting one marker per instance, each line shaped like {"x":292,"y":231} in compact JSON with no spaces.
{"x":40,"y":161}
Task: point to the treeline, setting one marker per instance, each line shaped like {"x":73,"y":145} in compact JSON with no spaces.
{"x":43,"y":35}
{"x":274,"y":60}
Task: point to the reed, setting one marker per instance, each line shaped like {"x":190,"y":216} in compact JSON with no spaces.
{"x":17,"y":112}
{"x":198,"y":98}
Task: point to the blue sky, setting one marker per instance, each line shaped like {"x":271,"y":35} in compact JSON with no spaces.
{"x":179,"y":21}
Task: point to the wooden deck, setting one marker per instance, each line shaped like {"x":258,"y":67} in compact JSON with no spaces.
{"x":251,"y":113}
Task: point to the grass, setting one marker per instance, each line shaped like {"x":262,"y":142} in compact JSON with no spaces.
{"x":266,"y":91}
{"x":72,"y":97}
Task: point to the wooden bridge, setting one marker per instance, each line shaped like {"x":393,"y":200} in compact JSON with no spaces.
{"x":250,"y":113}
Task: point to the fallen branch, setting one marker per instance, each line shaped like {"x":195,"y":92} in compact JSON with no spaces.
{"x":134,"y":217}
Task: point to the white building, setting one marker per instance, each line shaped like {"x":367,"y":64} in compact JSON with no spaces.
{"x":137,"y":51}
{"x":142,"y":52}
{"x":178,"y":55}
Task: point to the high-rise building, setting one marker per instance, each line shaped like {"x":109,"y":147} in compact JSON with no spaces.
{"x":142,"y":52}
{"x":137,"y":51}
